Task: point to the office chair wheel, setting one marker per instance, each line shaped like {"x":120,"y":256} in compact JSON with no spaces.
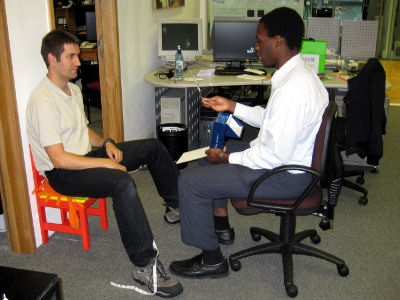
{"x":235,"y":264}
{"x":291,"y":290}
{"x":255,"y":236}
{"x":325,"y":224}
{"x":316,"y":239}
{"x":360,"y":180}
{"x":343,"y":270}
{"x":363,"y":200}
{"x":374,"y":170}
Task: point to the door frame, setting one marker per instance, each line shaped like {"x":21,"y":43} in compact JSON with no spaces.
{"x":14,"y":193}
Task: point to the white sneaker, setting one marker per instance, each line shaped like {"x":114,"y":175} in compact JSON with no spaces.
{"x":164,"y":285}
{"x":172,"y":215}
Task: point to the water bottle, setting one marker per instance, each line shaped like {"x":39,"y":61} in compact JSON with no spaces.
{"x":178,"y":64}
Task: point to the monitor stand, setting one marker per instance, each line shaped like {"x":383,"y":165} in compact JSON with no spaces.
{"x":234,"y":68}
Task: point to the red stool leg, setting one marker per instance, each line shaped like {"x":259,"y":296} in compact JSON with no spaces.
{"x":42,"y":221}
{"x":103,"y":213}
{"x":84,"y":226}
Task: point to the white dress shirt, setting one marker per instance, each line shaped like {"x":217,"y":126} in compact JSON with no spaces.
{"x":289,"y":123}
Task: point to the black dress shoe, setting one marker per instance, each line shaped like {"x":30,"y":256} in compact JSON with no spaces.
{"x":225,"y":236}
{"x":195,"y":268}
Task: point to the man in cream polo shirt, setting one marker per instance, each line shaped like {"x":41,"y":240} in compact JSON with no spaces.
{"x":61,"y":144}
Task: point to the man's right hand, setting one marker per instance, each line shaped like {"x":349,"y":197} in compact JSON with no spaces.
{"x":114,"y":165}
{"x":219,"y":103}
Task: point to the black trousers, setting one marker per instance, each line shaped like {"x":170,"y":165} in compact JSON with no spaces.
{"x":134,"y":229}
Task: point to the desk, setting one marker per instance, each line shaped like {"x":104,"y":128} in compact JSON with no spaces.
{"x":25,"y":284}
{"x":330,"y":80}
{"x":186,"y":89}
{"x":88,"y":54}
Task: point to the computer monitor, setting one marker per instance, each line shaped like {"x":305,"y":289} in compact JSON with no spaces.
{"x":323,"y":12}
{"x":184,"y":32}
{"x":91,"y":33}
{"x":234,"y":40}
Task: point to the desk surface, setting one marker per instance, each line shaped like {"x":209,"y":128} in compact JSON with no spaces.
{"x":330,"y":80}
{"x":88,"y":53}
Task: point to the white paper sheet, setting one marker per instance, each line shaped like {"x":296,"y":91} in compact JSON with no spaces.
{"x":192,"y":155}
{"x":206,"y":73}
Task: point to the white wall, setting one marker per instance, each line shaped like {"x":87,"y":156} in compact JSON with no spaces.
{"x":137,"y":22}
{"x":28,"y":22}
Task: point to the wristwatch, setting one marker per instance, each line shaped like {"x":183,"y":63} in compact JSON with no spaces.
{"x":108,"y":140}
{"x":221,"y":157}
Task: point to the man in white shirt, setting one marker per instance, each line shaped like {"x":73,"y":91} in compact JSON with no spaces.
{"x":288,"y":126}
{"x":61,"y":144}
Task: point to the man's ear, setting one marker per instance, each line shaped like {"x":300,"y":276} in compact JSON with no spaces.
{"x":279,"y":41}
{"x":51,"y":58}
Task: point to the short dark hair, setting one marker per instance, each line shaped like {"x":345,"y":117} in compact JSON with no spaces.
{"x":54,"y":41}
{"x":287,"y":23}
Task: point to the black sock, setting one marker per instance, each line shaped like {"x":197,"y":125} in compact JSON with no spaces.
{"x":221,"y":223}
{"x":212,"y":257}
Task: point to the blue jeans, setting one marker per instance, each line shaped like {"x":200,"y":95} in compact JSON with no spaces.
{"x":134,"y":229}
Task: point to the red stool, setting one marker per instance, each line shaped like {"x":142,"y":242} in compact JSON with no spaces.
{"x":78,"y":208}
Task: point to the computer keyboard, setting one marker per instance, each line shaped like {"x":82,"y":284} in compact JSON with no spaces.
{"x":253,"y":71}
{"x":228,"y":71}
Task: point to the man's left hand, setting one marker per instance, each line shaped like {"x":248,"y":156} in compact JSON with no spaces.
{"x":114,"y":153}
{"x":212,"y":155}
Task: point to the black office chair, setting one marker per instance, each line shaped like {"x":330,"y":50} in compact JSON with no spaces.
{"x":287,"y":242}
{"x":89,"y":74}
{"x":361,"y":129}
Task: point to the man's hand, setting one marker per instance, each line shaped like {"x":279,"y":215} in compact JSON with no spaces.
{"x":219,"y":103}
{"x":213,"y":155}
{"x":114,"y":153}
{"x":111,"y":164}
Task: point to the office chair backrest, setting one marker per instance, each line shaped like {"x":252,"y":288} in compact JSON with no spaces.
{"x":324,"y":146}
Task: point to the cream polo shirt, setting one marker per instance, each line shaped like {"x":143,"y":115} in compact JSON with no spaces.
{"x":53,"y":117}
{"x":289,"y":123}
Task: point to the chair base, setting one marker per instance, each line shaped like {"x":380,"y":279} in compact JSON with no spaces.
{"x":363,"y":200}
{"x":287,"y":244}
{"x":351,"y":172}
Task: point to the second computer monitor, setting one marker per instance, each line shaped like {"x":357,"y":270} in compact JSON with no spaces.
{"x":234,"y":40}
{"x":91,"y":34}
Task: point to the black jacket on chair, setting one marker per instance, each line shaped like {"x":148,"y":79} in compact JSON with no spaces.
{"x":365,"y":113}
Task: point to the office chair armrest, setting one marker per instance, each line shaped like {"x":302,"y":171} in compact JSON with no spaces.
{"x":283,"y":207}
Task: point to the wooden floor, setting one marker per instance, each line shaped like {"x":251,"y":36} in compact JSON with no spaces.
{"x":392,"y":69}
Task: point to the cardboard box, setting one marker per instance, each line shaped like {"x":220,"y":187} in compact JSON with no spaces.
{"x":225,"y":125}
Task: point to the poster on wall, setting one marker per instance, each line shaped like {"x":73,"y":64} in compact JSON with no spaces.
{"x":160,"y":4}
